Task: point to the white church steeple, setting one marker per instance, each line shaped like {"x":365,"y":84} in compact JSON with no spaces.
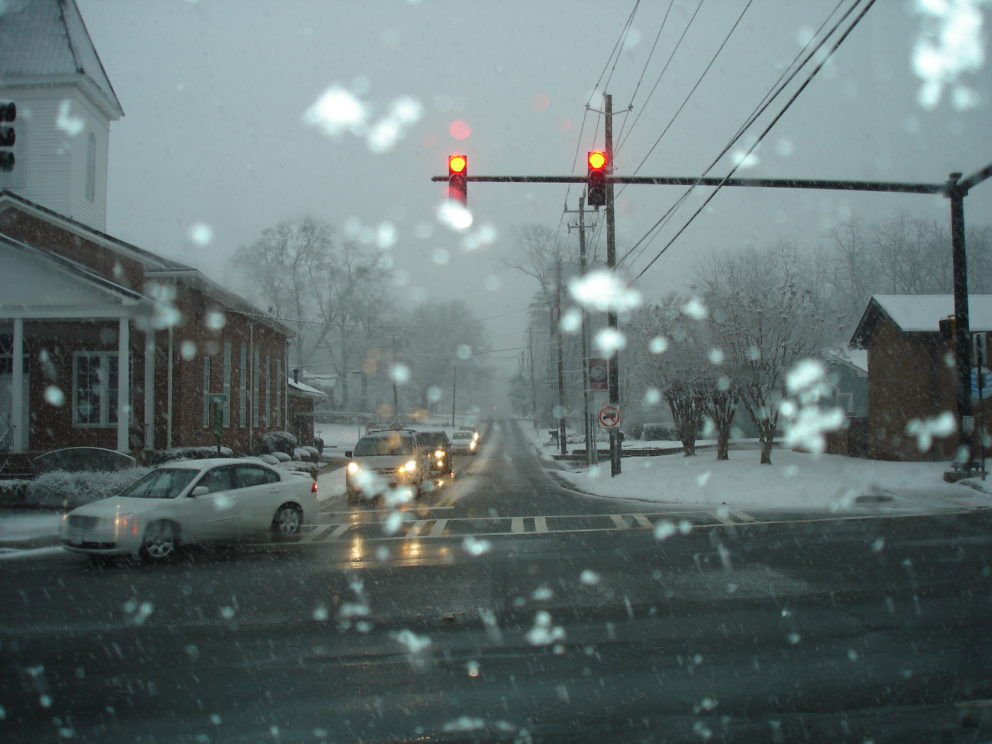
{"x":51,"y":71}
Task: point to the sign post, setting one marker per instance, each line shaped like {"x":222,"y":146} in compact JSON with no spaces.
{"x":217,"y":401}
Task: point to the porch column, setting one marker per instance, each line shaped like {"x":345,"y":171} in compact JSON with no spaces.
{"x":123,"y":384}
{"x":149,"y":414}
{"x":17,"y":434}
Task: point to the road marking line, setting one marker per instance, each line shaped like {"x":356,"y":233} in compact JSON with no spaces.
{"x":340,"y":530}
{"x":438,"y":528}
{"x":540,"y":524}
{"x":517,"y":525}
{"x":620,"y":522}
{"x":743,"y":516}
{"x":416,"y":527}
{"x":725,"y":520}
{"x":318,"y":533}
{"x":643,"y":521}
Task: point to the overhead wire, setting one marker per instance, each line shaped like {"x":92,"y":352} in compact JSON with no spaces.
{"x":763,"y":134}
{"x":661,"y":75}
{"x":699,"y":80}
{"x":784,"y":79}
{"x":644,"y":70}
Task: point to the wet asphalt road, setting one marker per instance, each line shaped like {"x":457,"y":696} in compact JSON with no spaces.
{"x":506,"y":608}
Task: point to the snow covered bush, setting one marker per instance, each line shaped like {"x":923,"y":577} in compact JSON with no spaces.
{"x":314,"y":452}
{"x":302,"y":454}
{"x":190,"y":453}
{"x":306,"y":467}
{"x":12,"y":492}
{"x":72,"y":489}
{"x":281,"y":456}
{"x":277,"y":441}
{"x":269,"y":459}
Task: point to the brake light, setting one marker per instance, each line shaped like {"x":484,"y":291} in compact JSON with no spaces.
{"x":313,"y":488}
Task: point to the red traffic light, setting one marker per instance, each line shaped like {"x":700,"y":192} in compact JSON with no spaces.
{"x":596,"y":179}
{"x":458,"y":178}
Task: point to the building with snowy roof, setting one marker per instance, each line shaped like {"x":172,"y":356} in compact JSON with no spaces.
{"x":911,"y":372}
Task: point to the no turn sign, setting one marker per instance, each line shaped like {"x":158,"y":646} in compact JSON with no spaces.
{"x":609,"y":416}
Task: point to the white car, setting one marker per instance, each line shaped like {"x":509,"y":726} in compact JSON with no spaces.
{"x":195,"y":501}
{"x":390,"y":463}
{"x":464,"y":442}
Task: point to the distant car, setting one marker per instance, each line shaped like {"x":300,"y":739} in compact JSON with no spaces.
{"x":439,"y":448}
{"x":196,"y":501}
{"x":464,"y":442}
{"x":384,"y":461}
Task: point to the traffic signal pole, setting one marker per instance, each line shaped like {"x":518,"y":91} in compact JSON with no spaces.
{"x":955,"y":189}
{"x":611,"y":315}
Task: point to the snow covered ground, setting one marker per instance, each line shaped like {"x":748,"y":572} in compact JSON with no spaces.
{"x":794,"y":481}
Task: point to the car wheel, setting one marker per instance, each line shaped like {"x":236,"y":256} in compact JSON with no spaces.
{"x":287,"y":521}
{"x":161,"y":542}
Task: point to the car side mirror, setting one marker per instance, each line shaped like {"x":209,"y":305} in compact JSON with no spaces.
{"x":348,"y":454}
{"x":200,"y":491}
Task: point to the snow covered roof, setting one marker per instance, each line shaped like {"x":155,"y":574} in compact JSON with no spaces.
{"x":303,"y":389}
{"x":919,"y":314}
{"x":857,"y":358}
{"x":47,"y":40}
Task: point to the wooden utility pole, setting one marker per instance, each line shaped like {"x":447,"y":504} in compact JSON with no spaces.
{"x":591,"y":455}
{"x":562,"y":443}
{"x":611,"y":263}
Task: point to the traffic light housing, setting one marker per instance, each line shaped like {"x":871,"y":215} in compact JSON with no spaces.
{"x":8,"y":113}
{"x":458,"y":178}
{"x":596,"y":179}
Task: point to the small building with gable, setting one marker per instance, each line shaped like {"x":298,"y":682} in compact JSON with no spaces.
{"x":911,"y":372}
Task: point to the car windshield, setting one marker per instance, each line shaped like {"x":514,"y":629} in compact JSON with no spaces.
{"x":392,"y":444}
{"x":164,"y":483}
{"x":636,"y":352}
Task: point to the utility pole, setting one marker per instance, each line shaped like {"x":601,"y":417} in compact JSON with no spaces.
{"x":591,"y":455}
{"x":454,"y":390}
{"x":396,"y":395}
{"x":533,"y":382}
{"x":611,"y":263}
{"x":562,"y":444}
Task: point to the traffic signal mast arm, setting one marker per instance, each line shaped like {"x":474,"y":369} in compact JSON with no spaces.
{"x":772,"y":183}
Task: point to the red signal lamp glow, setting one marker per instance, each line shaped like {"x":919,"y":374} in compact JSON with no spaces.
{"x":457,"y":163}
{"x":597,"y":159}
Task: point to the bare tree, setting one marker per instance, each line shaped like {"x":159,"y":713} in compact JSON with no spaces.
{"x":768,"y":317}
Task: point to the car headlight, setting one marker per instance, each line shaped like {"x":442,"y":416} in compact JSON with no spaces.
{"x":438,"y":454}
{"x":126,"y":523}
{"x":353,"y":468}
{"x":471,"y":444}
{"x":409,"y":467}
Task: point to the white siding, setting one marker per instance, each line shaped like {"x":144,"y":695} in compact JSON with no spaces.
{"x":51,"y":160}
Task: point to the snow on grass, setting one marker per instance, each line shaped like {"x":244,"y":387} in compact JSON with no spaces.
{"x":795,"y":480}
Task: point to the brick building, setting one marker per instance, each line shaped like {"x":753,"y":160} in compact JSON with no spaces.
{"x":103,"y":343}
{"x":911,"y":372}
{"x":73,"y":299}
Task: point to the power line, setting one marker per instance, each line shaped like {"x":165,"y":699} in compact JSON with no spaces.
{"x":660,"y":76}
{"x":767,"y":129}
{"x":773,"y":93}
{"x":647,"y":62}
{"x":685,"y":101}
{"x":777,"y":88}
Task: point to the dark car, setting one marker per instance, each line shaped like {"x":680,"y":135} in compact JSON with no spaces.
{"x":439,"y":447}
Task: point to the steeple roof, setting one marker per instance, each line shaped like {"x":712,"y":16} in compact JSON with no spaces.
{"x":46,"y":41}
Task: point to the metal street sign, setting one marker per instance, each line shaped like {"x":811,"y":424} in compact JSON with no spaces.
{"x":609,"y":416}
{"x":598,"y":374}
{"x":986,"y":383}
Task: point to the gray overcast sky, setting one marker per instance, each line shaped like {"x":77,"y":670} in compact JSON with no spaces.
{"x":215,"y":94}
